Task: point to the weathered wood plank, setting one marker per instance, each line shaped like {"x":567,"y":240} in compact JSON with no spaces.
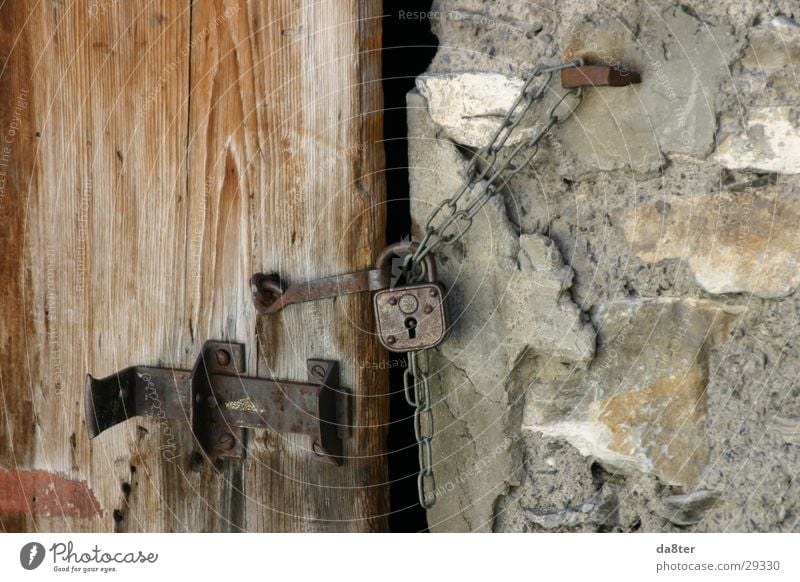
{"x":285,"y":145}
{"x":99,"y":254}
{"x":164,"y":153}
{"x":20,"y":350}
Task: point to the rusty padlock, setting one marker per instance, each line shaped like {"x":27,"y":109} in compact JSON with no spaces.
{"x":411,"y":317}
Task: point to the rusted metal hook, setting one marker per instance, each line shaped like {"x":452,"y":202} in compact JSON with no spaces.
{"x":598,"y":76}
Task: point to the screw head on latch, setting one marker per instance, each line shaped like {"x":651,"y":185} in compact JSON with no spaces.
{"x":318,"y":372}
{"x":223,"y":357}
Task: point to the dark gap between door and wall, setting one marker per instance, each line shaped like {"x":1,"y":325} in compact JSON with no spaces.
{"x":409,"y":45}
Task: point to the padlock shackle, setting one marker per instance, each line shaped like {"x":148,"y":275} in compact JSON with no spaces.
{"x":408,"y":247}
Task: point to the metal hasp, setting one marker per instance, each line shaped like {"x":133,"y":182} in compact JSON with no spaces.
{"x":219,"y":403}
{"x":408,"y":317}
{"x":270,"y":294}
{"x":597,"y":76}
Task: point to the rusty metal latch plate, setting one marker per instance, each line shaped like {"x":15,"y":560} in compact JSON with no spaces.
{"x":219,"y":403}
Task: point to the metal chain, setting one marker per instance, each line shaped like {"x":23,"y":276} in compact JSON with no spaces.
{"x":417,"y":390}
{"x":449,"y":222}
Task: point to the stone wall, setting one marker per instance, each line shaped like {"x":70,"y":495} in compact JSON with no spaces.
{"x":625,"y":318}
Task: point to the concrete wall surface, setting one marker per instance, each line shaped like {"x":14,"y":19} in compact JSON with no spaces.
{"x":624,"y":350}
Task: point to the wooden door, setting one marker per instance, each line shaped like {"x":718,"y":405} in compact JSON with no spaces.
{"x":154,"y":155}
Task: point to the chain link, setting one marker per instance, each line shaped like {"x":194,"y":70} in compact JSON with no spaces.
{"x":452,"y":218}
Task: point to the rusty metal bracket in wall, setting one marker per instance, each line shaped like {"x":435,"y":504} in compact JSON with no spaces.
{"x":219,"y":403}
{"x":598,"y":76}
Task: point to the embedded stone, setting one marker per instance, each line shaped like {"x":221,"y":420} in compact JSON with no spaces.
{"x":770,"y":142}
{"x":470,"y":106}
{"x":681,"y":100}
{"x":641,"y":405}
{"x":787,"y":426}
{"x":773,"y":46}
{"x":598,"y":510}
{"x":733,"y":242}
{"x":689,"y":508}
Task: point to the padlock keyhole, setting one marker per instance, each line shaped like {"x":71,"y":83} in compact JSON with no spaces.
{"x":411,"y":326}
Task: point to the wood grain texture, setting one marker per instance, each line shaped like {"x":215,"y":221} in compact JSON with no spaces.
{"x":285,"y":145}
{"x":164,"y":153}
